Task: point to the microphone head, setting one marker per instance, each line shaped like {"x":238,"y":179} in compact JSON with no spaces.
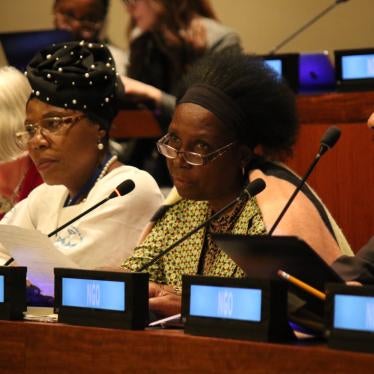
{"x":329,"y":139}
{"x":255,"y":187}
{"x":123,"y":189}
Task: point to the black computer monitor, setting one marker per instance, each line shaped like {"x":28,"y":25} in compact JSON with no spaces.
{"x":355,"y":69}
{"x":20,"y":47}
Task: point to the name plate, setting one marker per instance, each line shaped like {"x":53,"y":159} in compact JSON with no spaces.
{"x":286,"y":66}
{"x":12,"y":292}
{"x":101,"y":298}
{"x":235,"y":308}
{"x":350,"y":317}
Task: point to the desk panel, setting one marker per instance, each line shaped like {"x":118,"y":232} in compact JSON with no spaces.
{"x":30,"y":347}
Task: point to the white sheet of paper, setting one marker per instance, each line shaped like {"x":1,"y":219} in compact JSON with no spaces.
{"x":36,"y":251}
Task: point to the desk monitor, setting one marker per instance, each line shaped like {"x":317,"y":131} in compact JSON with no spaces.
{"x":286,"y":66}
{"x":261,"y":256}
{"x":12,"y":292}
{"x":20,"y":47}
{"x":350,"y":317}
{"x":101,"y":298}
{"x":355,"y":69}
{"x":238,"y":308}
{"x":316,"y":73}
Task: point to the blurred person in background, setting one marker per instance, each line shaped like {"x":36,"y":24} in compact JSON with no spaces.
{"x":18,"y":175}
{"x":86,"y":20}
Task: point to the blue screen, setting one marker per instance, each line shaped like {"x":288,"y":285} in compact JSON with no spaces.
{"x":358,"y":67}
{"x":354,"y":312}
{"x":92,"y":293}
{"x":226,"y":302}
{"x":1,"y":288}
{"x":275,"y":65}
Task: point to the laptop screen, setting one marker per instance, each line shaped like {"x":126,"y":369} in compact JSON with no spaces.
{"x":20,"y":47}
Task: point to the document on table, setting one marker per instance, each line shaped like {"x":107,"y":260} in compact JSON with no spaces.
{"x":36,"y":251}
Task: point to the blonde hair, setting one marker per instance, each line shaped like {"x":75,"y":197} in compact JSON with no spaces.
{"x":14,"y":93}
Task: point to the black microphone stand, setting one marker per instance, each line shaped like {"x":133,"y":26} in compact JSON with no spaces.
{"x":242,"y":196}
{"x":305,"y":26}
{"x":328,"y":141}
{"x":296,"y":191}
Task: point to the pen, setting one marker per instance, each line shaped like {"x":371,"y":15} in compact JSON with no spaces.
{"x":167,"y":319}
{"x":297,"y":282}
{"x":8,"y":261}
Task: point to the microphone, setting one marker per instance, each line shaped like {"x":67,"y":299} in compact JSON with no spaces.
{"x":122,"y":189}
{"x":306,"y":25}
{"x":252,"y":189}
{"x":328,"y":140}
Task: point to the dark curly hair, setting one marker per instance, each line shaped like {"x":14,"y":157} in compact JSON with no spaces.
{"x":267,"y":104}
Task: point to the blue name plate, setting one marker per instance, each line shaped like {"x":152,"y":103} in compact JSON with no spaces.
{"x":352,"y":312}
{"x":93,"y":293}
{"x":12,"y":292}
{"x":358,"y":67}
{"x":1,"y":288}
{"x":243,"y":308}
{"x":226,"y":302}
{"x":350,"y":317}
{"x":276,"y":65}
{"x":102,"y":298}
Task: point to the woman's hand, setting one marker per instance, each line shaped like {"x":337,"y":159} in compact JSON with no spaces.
{"x":140,"y":90}
{"x":163,"y":299}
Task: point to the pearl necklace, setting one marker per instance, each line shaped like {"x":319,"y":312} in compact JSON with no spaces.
{"x":106,"y":167}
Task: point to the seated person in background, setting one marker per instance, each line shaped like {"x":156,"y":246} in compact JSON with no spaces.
{"x":234,"y":121}
{"x":358,"y":268}
{"x":75,"y":95}
{"x":166,"y":38}
{"x":85,"y":19}
{"x":18,"y":175}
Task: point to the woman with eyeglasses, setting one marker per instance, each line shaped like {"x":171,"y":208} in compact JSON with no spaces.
{"x":18,"y":175}
{"x":75,"y":96}
{"x":234,"y":121}
{"x":85,"y":19}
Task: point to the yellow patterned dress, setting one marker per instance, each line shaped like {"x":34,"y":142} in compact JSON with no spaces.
{"x":185,"y":258}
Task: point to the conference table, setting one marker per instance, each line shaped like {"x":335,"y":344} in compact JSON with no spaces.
{"x":35,"y":347}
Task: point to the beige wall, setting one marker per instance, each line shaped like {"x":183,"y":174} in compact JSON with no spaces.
{"x":262,"y":24}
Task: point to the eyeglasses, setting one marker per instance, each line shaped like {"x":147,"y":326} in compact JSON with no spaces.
{"x":46,"y":126}
{"x":84,"y":23}
{"x":192,"y":158}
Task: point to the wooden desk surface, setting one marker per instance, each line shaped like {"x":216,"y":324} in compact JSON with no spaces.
{"x":31,"y":347}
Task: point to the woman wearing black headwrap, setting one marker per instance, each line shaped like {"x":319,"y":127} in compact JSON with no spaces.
{"x":233,"y":120}
{"x":75,"y":95}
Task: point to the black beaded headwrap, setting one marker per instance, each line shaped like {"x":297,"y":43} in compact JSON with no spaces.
{"x":77,"y":75}
{"x":217,"y":102}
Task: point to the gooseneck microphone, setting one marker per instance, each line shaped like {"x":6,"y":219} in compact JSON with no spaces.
{"x":328,"y":140}
{"x":251,"y":190}
{"x":306,"y":25}
{"x":122,"y":189}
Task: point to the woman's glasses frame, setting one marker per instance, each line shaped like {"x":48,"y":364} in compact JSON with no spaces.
{"x":192,"y":158}
{"x":47,"y":126}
